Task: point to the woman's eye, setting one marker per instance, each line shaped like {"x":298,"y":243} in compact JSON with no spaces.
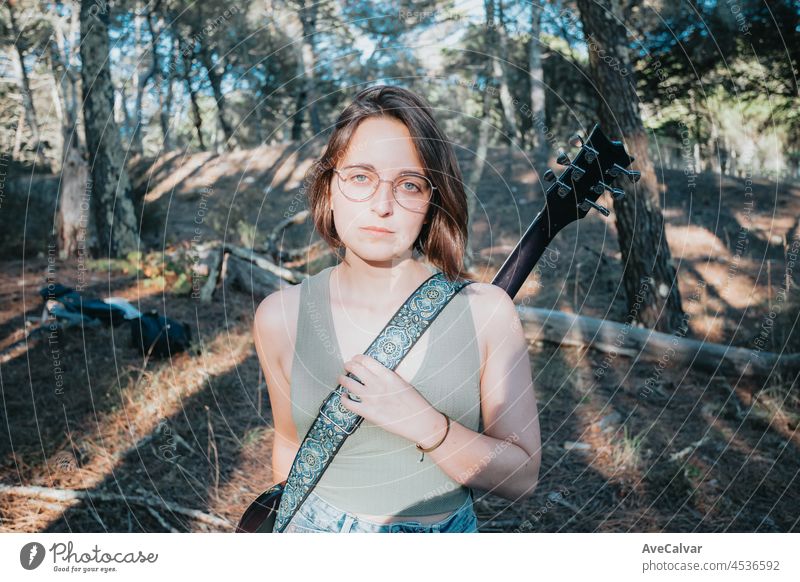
{"x":357,"y":178}
{"x":410,"y":187}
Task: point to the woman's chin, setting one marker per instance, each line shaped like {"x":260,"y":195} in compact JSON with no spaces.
{"x":377,"y":254}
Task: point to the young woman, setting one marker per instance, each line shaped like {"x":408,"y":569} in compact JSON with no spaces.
{"x":388,"y":192}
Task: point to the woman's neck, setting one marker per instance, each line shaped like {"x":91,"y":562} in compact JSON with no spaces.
{"x":376,"y":286}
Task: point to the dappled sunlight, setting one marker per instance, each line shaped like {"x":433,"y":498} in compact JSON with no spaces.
{"x":175,"y":176}
{"x":287,"y":170}
{"x":772,"y":229}
{"x":695,"y":242}
{"x":733,"y":286}
{"x":614,"y":453}
{"x":712,"y":328}
{"x":147,"y":397}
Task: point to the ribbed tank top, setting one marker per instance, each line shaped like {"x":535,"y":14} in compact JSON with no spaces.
{"x":377,"y":472}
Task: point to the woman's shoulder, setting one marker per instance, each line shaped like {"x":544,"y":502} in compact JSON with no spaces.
{"x":274,"y":308}
{"x":284,"y":303}
{"x":493,"y":310}
{"x":487,"y":296}
{"x":276,"y":320}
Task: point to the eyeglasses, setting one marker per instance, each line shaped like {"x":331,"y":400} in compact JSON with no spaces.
{"x":411,"y":191}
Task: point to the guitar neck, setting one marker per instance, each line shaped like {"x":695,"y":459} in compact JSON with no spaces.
{"x":572,"y":195}
{"x":526,"y":254}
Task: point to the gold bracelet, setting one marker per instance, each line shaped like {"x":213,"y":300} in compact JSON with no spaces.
{"x":428,"y":450}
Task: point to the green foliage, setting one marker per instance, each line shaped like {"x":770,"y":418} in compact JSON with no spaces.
{"x":182,"y":70}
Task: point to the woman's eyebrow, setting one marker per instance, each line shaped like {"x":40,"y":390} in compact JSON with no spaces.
{"x":402,"y":170}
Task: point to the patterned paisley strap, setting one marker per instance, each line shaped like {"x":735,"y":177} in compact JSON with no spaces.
{"x":335,"y":423}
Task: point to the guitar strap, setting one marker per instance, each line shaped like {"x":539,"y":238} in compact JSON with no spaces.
{"x":335,"y":423}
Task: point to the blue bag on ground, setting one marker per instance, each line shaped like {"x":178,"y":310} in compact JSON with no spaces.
{"x":159,"y":336}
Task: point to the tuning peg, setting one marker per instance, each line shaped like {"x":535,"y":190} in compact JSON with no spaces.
{"x":616,"y":170}
{"x":549,"y":175}
{"x":563,"y":189}
{"x":563,"y":159}
{"x":601,"y":187}
{"x":587,"y":204}
{"x":590,"y":154}
{"x":575,"y":140}
{"x":577,"y":172}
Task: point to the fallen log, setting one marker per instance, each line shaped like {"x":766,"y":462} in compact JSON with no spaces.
{"x":68,"y":495}
{"x":250,"y":278}
{"x":288,"y":275}
{"x":619,"y":339}
{"x":214,"y":269}
{"x":307,"y":253}
{"x":243,"y":269}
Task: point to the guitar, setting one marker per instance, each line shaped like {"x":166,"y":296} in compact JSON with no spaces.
{"x":572,"y":195}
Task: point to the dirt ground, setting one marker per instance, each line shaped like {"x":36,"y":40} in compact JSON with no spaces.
{"x":84,"y":411}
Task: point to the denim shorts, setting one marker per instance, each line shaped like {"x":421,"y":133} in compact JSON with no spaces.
{"x":318,"y":516}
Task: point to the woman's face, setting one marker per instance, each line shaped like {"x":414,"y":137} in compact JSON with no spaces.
{"x":385,"y":145}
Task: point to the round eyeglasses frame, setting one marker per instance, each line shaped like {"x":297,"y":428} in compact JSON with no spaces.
{"x":378,"y":184}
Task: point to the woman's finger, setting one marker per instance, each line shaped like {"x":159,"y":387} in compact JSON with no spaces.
{"x":370,"y":364}
{"x":351,"y":384}
{"x":357,"y":369}
{"x":349,"y":403}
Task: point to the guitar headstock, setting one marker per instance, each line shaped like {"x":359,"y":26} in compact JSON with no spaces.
{"x":575,"y":192}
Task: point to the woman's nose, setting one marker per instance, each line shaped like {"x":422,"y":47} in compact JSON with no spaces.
{"x":383,"y":199}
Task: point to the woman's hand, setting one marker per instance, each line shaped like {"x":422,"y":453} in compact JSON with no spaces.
{"x":387,"y":400}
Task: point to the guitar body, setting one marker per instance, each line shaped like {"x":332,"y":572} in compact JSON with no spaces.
{"x":573,"y":194}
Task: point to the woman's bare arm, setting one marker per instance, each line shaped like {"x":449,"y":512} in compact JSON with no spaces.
{"x":505,"y":459}
{"x":272,"y":333}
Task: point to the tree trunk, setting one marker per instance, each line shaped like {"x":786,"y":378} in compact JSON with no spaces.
{"x":141,"y":79}
{"x":73,"y":211}
{"x":306,"y":63}
{"x":482,"y":147}
{"x":187,"y":77}
{"x":500,"y":68}
{"x":25,"y":89}
{"x":481,"y":151}
{"x":66,"y":81}
{"x":122,"y":105}
{"x":538,"y":137}
{"x":299,"y":109}
{"x":72,"y":220}
{"x":310,"y":64}
{"x":646,"y":258}
{"x":165,"y":101}
{"x":111,"y":203}
{"x":18,"y":134}
{"x":215,"y":78}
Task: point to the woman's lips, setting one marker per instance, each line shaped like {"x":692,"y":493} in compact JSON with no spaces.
{"x":375,"y":231}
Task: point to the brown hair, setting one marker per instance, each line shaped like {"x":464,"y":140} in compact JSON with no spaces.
{"x":443,"y":238}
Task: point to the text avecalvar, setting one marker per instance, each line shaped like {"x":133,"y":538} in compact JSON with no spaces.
{"x":671,"y":549}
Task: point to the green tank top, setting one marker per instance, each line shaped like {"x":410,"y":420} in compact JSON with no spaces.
{"x":376,"y":472}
